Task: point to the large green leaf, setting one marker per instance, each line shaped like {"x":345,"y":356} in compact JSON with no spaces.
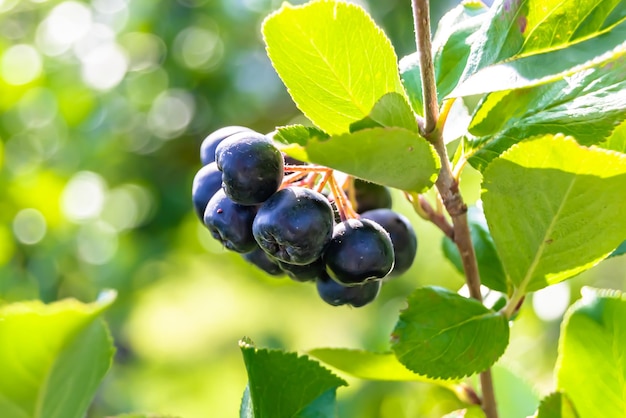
{"x":591,"y":366}
{"x":526,"y":27}
{"x":444,"y":335}
{"x":451,"y":48}
{"x":471,"y":412}
{"x":394,"y":157}
{"x":285,"y":385}
{"x":334,"y":60}
{"x":371,"y":366}
{"x":556,"y":405}
{"x":554,"y":208}
{"x":587,"y":105}
{"x":489,"y":266}
{"x":52,"y":357}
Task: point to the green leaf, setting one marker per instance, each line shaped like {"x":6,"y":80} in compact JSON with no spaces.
{"x":543,"y":67}
{"x":451,"y":48}
{"x":592,"y":348}
{"x":617,"y":140}
{"x":489,"y":266}
{"x":587,"y":105}
{"x":444,"y":335}
{"x":514,"y":396}
{"x":391,"y":110}
{"x":519,"y":28}
{"x":556,"y":405}
{"x":52,"y":357}
{"x":554,"y":208}
{"x":371,"y":366}
{"x":334,"y":60}
{"x":285,"y":385}
{"x":393,"y":157}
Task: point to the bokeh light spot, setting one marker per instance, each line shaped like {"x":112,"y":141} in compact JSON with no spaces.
{"x":83,"y":196}
{"x":145,"y":51}
{"x":97,"y":242}
{"x":170,"y":114}
{"x":37,"y":108}
{"x":198,"y":48}
{"x":29,"y":226}
{"x":20,"y":64}
{"x":104,"y":67}
{"x":551,"y":302}
{"x":66,"y":23}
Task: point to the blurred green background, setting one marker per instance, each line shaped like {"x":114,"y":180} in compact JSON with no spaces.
{"x":103,"y":106}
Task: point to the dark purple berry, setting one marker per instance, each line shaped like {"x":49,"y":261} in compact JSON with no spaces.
{"x":210,"y":143}
{"x":303,"y":273}
{"x":252,"y":167}
{"x":259,"y":258}
{"x":402,"y":237}
{"x":206,"y":183}
{"x":230,"y":223}
{"x":370,"y":196}
{"x":360,"y":250}
{"x":336,"y":294}
{"x":294,"y":225}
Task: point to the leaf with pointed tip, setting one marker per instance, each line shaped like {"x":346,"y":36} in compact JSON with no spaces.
{"x":282,"y":384}
{"x":52,"y":357}
{"x":489,"y":265}
{"x":393,"y":157}
{"x":391,"y":110}
{"x":556,"y":405}
{"x":587,"y":105}
{"x":444,"y":335}
{"x":554,"y":208}
{"x":619,"y":250}
{"x":451,"y":48}
{"x":334,"y":60}
{"x":592,"y":349}
{"x":371,"y":366}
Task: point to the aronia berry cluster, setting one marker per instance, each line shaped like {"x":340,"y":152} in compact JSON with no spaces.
{"x":297,"y":219}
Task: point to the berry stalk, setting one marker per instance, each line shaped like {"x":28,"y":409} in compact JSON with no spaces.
{"x":447,"y":184}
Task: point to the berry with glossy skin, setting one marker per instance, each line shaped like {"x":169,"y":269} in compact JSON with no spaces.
{"x":259,"y":258}
{"x":402,"y":237}
{"x":294,"y":225}
{"x":210,"y":143}
{"x":252,"y":167}
{"x":230,"y":223}
{"x":335,"y":294}
{"x":303,"y":273}
{"x":370,"y":196}
{"x":206,"y":183}
{"x":360,"y":250}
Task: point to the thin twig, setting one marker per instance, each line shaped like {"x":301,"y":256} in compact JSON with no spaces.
{"x":447,"y":184}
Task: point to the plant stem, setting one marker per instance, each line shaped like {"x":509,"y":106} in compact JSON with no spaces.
{"x":447,"y":184}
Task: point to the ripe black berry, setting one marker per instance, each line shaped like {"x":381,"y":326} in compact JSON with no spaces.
{"x":360,"y":250}
{"x":294,"y":225}
{"x":402,"y":237}
{"x":370,"y":196}
{"x":207,"y":181}
{"x":210,"y":143}
{"x":335,"y":294}
{"x":252,"y":167}
{"x":303,"y":273}
{"x":230,"y":223}
{"x":259,"y":258}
